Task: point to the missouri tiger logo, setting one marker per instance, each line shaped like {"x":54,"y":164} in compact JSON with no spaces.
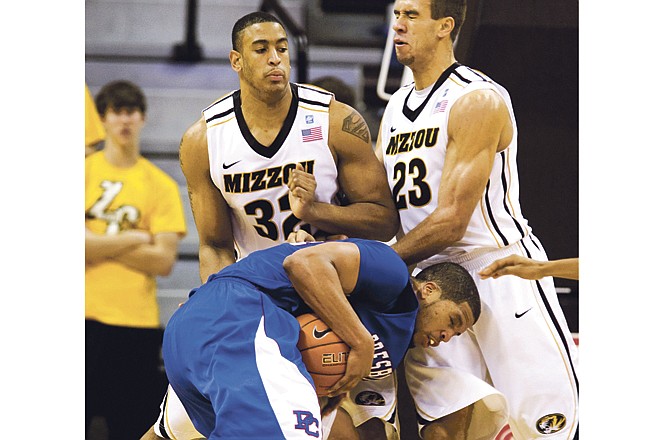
{"x":370,"y":398}
{"x":551,"y":423}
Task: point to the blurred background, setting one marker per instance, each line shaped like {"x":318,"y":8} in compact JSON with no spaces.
{"x":177,"y":52}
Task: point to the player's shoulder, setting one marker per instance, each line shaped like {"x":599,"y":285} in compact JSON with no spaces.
{"x":194,"y":139}
{"x":312,"y":95}
{"x":220,"y":109}
{"x":464,"y":75}
{"x":375,"y":248}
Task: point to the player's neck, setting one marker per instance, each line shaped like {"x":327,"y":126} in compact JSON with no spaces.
{"x":121,"y":156}
{"x":265,"y":108}
{"x":426,"y":75}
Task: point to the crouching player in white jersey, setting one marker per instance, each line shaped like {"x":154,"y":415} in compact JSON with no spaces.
{"x":231,"y":350}
{"x":270,"y":159}
{"x":449,"y":144}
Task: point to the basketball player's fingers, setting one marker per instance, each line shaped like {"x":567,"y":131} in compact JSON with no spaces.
{"x":332,"y":404}
{"x":336,"y":237}
{"x":343,"y":385}
{"x":299,"y":170}
{"x":495,"y":269}
{"x":305,"y":180}
{"x":300,"y":236}
{"x":352,"y":376}
{"x":301,"y":193}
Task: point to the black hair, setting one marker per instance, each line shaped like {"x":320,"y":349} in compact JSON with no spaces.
{"x":120,"y":94}
{"x":248,"y":20}
{"x":456,"y":284}
{"x":449,"y":8}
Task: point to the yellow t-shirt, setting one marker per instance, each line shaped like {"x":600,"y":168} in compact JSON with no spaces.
{"x":95,"y":131}
{"x":141,"y":197}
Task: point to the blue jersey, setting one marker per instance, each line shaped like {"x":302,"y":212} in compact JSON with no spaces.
{"x":231,"y":350}
{"x":383,"y":297}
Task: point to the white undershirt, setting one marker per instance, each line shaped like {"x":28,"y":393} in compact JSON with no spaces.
{"x":416,"y":97}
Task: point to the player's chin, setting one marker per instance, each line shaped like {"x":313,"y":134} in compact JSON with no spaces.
{"x":420,"y":340}
{"x":277,"y":83}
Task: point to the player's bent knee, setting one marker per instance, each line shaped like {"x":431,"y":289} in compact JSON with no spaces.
{"x":453,"y":426}
{"x":373,"y":429}
{"x":343,"y":427}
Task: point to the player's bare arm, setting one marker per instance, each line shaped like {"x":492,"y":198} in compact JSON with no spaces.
{"x":532,"y":269}
{"x":479,"y":126}
{"x":210,"y":210}
{"x":155,"y":258}
{"x":323,"y":278}
{"x":371,"y":213}
{"x":379,"y":150}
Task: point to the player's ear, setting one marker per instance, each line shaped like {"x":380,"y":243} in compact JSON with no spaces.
{"x":425,"y":290}
{"x":235,"y":60}
{"x":446,"y":27}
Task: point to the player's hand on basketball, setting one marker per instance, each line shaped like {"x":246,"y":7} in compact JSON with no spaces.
{"x":302,"y":187}
{"x":332,"y":404}
{"x":359,"y":364}
{"x":300,"y":236}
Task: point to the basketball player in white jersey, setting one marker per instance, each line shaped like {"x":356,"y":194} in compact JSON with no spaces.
{"x":449,"y":144}
{"x":269,"y":159}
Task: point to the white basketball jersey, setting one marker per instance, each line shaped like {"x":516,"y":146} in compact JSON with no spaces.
{"x":415,"y":144}
{"x":253,"y":178}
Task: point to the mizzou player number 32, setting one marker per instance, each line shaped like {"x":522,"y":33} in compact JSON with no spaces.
{"x":263,"y":212}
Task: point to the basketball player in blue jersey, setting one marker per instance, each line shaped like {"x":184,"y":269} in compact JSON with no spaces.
{"x":231,"y":350}
{"x":448,"y":142}
{"x":270,"y":159}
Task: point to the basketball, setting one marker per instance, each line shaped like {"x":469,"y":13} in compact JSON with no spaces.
{"x":323,"y":352}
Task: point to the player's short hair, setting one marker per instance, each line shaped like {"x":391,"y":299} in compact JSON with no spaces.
{"x":120,"y":94}
{"x":449,"y":8}
{"x":456,"y":284}
{"x":248,"y":20}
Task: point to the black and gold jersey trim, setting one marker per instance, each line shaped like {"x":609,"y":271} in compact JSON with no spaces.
{"x":413,"y":114}
{"x":504,"y":181}
{"x":554,"y":320}
{"x":222,"y":114}
{"x":273,"y":148}
{"x":312,"y":89}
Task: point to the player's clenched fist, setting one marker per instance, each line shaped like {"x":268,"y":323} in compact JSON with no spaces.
{"x":302,"y":187}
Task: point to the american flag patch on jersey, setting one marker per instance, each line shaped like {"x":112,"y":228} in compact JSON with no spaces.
{"x":440,"y":106}
{"x":312,"y":134}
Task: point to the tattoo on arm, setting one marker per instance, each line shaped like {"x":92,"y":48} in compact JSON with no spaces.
{"x":355,"y":124}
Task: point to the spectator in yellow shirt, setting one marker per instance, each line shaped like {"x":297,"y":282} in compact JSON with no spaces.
{"x":134,"y":222}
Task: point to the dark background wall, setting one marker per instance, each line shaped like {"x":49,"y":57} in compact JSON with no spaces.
{"x":532,"y":49}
